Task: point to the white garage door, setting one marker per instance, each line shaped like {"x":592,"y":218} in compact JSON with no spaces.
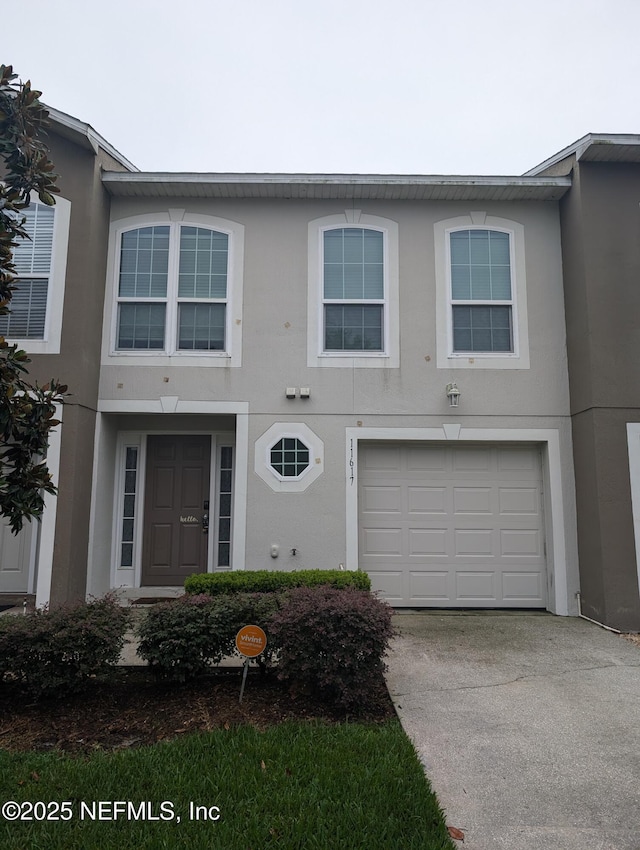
{"x":453,"y":526}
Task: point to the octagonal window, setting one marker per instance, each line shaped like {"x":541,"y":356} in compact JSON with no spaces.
{"x":289,"y":457}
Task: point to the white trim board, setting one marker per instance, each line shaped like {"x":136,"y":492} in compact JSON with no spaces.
{"x":99,"y":577}
{"x":633,"y":439}
{"x":47,"y":535}
{"x":555,"y":510}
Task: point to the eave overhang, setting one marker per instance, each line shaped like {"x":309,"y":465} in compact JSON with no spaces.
{"x":595,"y":147}
{"x":85,"y":136}
{"x":334,"y":186}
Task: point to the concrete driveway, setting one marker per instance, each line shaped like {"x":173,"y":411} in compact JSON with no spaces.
{"x":528,"y":726}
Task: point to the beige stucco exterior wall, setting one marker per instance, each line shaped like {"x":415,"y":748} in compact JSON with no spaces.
{"x":274,"y":356}
{"x":275,"y":321}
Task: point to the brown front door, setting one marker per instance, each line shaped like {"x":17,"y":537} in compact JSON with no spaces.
{"x":177,"y":487}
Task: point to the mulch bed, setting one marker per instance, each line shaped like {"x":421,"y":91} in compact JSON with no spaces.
{"x":135,"y":710}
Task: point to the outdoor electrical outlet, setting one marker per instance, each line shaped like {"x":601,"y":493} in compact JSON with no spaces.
{"x":275,"y":550}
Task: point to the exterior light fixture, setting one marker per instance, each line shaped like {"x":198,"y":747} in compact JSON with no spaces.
{"x":453,"y":394}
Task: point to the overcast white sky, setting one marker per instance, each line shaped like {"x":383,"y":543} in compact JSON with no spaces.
{"x":357,"y":86}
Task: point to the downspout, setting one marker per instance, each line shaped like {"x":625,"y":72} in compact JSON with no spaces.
{"x":602,"y":625}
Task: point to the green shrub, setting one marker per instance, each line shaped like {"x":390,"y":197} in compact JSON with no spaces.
{"x":183,"y":638}
{"x":266,"y":581}
{"x":332,"y":642}
{"x":54,"y":652}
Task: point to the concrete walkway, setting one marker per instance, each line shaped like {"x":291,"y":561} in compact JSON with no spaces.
{"x":528,"y":726}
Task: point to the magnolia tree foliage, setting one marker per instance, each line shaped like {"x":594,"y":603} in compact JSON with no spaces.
{"x":26,"y":410}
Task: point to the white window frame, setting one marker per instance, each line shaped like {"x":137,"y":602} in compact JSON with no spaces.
{"x":447,"y":358}
{"x":223,"y":442}
{"x":278,"y":475}
{"x":50,"y":343}
{"x":174,"y":219}
{"x":389,"y":357}
{"x":289,"y":484}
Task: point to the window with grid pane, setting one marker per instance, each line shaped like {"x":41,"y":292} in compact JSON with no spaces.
{"x":180,"y":311}
{"x":127,"y":526}
{"x":225,"y":484}
{"x":481,"y":291}
{"x":353,"y":290}
{"x":290,"y":457}
{"x":32,"y":258}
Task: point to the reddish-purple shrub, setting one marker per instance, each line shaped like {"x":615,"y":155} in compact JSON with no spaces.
{"x":333,"y":641}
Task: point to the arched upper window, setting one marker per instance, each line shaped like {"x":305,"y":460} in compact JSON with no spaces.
{"x":353,"y":291}
{"x":183,"y":311}
{"x":481,"y":294}
{"x":481,"y":291}
{"x":176,"y":279}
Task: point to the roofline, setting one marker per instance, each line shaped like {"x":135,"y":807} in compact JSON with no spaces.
{"x":281,"y":184}
{"x":94,"y":139}
{"x":337,"y":178}
{"x":581,"y":146}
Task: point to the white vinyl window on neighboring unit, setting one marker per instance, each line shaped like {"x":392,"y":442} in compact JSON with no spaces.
{"x":40,"y":259}
{"x":172,"y":289}
{"x":32,"y":258}
{"x":481,"y":293}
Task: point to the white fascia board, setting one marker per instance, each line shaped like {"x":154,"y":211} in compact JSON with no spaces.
{"x":329,"y":179}
{"x":95,"y":140}
{"x":325,"y":186}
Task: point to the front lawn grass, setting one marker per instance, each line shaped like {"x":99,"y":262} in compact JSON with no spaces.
{"x":298,"y":785}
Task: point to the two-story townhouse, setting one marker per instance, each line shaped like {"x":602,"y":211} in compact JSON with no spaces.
{"x":57,"y":318}
{"x":314,"y":371}
{"x":600,"y":222}
{"x":276,"y":355}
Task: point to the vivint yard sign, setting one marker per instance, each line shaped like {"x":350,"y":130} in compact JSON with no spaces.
{"x":251,"y":641}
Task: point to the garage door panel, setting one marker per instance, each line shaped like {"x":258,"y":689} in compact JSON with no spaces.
{"x":473,"y":500}
{"x":381,"y":457}
{"x":524,"y":543}
{"x":427,"y":500}
{"x":518,"y":500}
{"x":382,"y":499}
{"x":473,"y":542}
{"x":427,"y":541}
{"x":518,"y":458}
{"x":455,"y":525}
{"x":476,"y":586}
{"x":522,"y":586}
{"x":389,"y":584}
{"x":382,"y":541}
{"x":429,"y":586}
{"x":421,"y":458}
{"x":472,"y":459}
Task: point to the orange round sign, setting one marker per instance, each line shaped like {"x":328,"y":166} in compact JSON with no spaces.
{"x":251,"y":641}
